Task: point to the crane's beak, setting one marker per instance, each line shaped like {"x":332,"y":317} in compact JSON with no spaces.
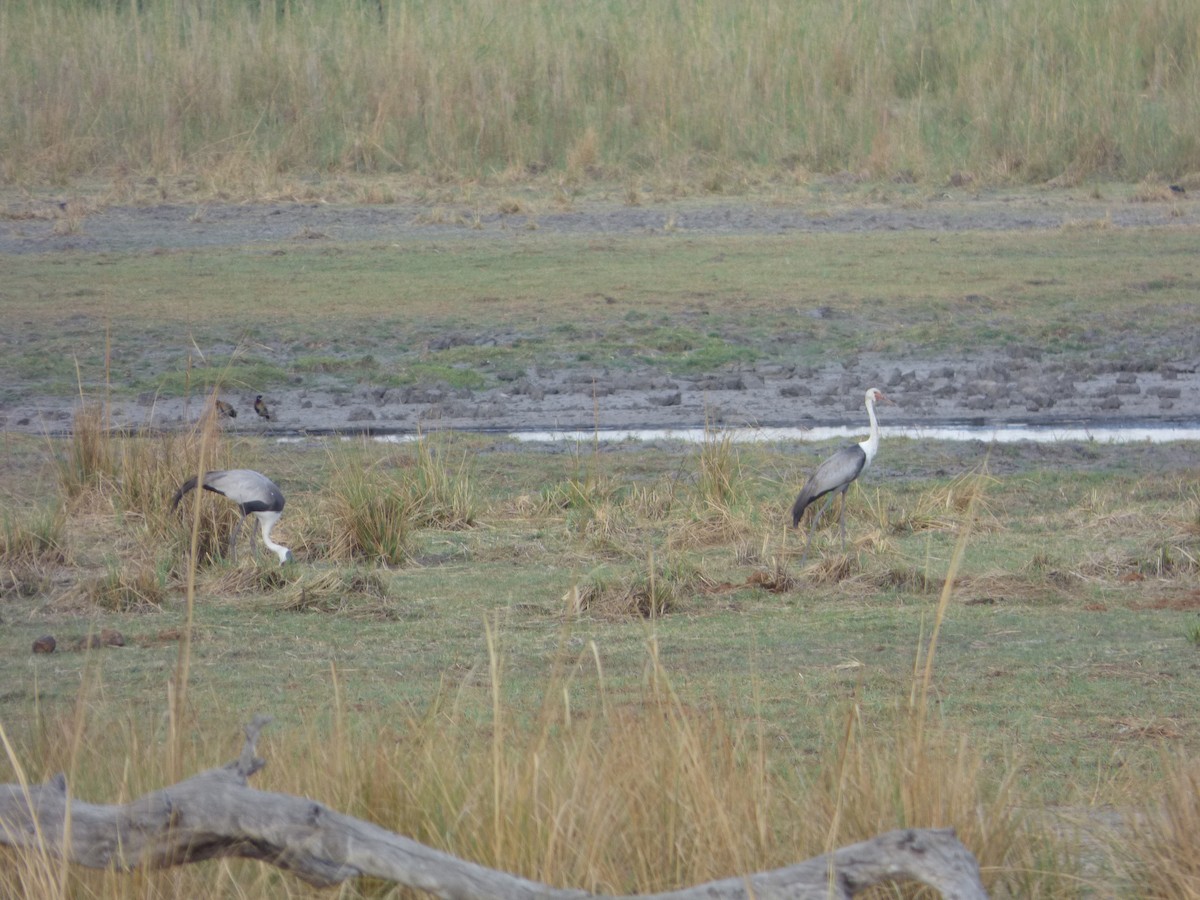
{"x":884,"y":398}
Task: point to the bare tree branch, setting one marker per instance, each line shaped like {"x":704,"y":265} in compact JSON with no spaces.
{"x":216,"y":814}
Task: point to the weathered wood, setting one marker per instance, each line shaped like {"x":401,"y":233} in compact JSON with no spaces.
{"x":215,"y":814}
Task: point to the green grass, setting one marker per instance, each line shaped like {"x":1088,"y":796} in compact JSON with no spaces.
{"x":696,"y":304}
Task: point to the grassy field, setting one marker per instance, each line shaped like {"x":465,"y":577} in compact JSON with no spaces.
{"x":260,"y":98}
{"x":680,"y":303}
{"x":600,"y":610}
{"x":604,"y":666}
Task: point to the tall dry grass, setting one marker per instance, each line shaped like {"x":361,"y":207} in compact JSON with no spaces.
{"x":1159,"y":843}
{"x":643,"y":793}
{"x":134,"y":477}
{"x":247,"y":94}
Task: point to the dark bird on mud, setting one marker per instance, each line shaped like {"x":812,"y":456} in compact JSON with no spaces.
{"x":836,"y":474}
{"x":226,"y":410}
{"x":255,"y":494}
{"x":261,"y":408}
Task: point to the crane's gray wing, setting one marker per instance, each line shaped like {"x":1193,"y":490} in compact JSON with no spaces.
{"x":836,"y":472}
{"x":253,"y":491}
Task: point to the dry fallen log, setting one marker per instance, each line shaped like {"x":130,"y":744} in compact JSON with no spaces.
{"x":215,"y":814}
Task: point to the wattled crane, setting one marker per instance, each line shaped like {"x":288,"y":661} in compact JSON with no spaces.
{"x":255,"y":494}
{"x":836,"y":474}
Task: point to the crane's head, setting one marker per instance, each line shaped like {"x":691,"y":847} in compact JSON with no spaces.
{"x":285,"y":555}
{"x":875,"y":395}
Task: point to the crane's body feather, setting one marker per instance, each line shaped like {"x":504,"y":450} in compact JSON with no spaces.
{"x":835,"y":475}
{"x":254,"y":493}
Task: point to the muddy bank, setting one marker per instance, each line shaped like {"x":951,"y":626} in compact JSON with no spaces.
{"x":1157,"y":381}
{"x":986,"y":390}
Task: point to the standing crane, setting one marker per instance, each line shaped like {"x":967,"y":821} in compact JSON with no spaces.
{"x":255,"y":494}
{"x":836,"y":474}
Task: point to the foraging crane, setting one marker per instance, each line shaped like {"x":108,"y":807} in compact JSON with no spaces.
{"x":260,"y":407}
{"x":256,"y":495}
{"x":836,"y":474}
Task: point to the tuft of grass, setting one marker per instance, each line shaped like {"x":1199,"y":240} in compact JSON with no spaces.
{"x":648,"y":591}
{"x":89,"y":463}
{"x":582,"y":493}
{"x":35,"y":538}
{"x":248,"y":578}
{"x":1158,"y":844}
{"x":355,"y":592}
{"x":371,"y":516}
{"x":442,"y":496}
{"x":123,"y":587}
{"x":718,"y":486}
{"x":775,"y":577}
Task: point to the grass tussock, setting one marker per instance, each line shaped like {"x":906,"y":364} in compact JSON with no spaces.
{"x":1159,"y":844}
{"x":371,"y":515}
{"x":33,"y":538}
{"x":832,"y":568}
{"x":647,"y":591}
{"x":442,"y":495}
{"x":123,"y":586}
{"x":89,"y":461}
{"x":718,"y":481}
{"x":776,"y":576}
{"x":355,"y":592}
{"x":940,"y":508}
{"x":375,"y":504}
{"x":582,"y":493}
{"x":250,"y":578}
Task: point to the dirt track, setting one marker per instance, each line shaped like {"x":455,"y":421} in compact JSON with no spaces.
{"x":1151,"y":384}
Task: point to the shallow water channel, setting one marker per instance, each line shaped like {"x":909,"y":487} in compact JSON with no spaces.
{"x":1002,"y":434}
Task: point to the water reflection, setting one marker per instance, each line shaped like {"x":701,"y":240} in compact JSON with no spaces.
{"x":1003,"y":434}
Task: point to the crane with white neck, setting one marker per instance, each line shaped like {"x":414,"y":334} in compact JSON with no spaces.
{"x":255,"y":494}
{"x":836,"y":474}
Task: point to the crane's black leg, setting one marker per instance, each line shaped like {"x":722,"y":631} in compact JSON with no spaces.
{"x":842,"y":518}
{"x":812,"y":529}
{"x":233,"y":541}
